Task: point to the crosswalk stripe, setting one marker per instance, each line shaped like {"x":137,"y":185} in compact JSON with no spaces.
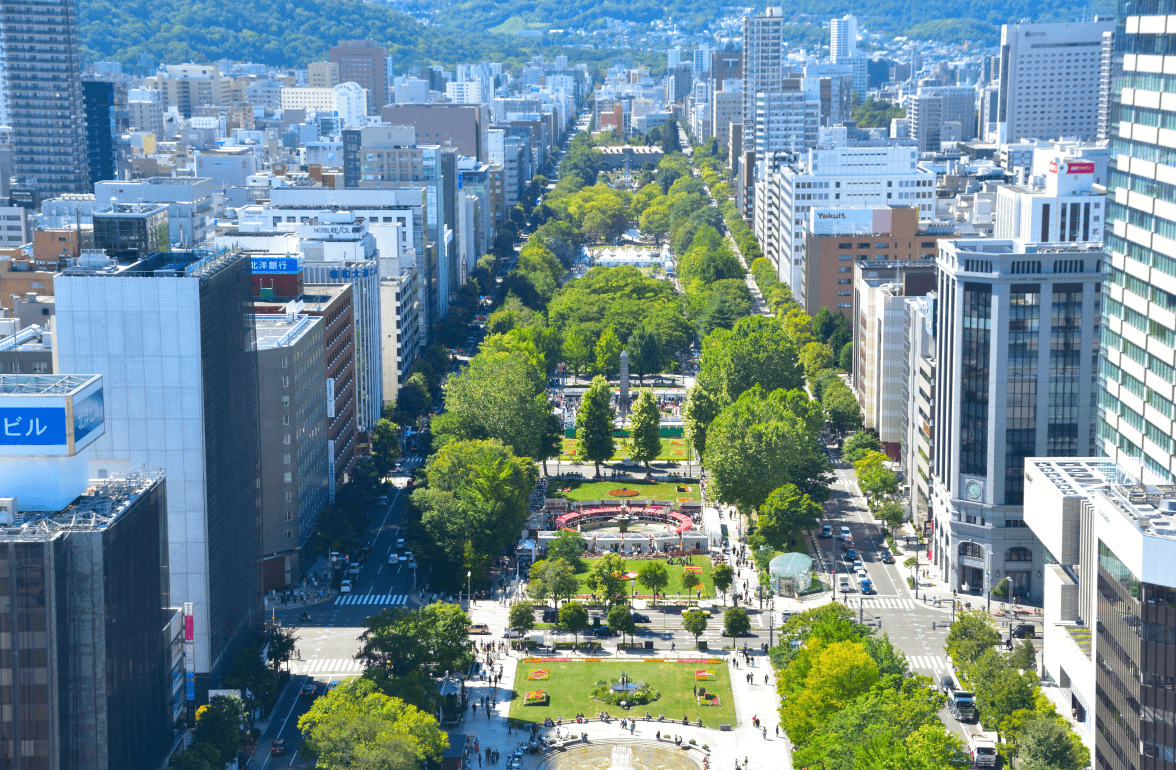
{"x":328,"y":666}
{"x":929,"y":662}
{"x":372,"y":599}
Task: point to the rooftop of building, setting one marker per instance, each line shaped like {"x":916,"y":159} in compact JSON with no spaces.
{"x":282,"y":331}
{"x":315,"y":298}
{"x":94,"y":510}
{"x":998,"y":246}
{"x":130,"y":209}
{"x":1149,"y":505}
{"x":30,"y":339}
{"x":200,"y":263}
{"x":44,"y":384}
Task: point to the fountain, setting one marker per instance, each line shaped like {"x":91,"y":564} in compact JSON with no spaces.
{"x":622,"y":758}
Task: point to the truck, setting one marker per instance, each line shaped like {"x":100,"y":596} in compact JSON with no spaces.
{"x":961,"y":703}
{"x":983,"y":749}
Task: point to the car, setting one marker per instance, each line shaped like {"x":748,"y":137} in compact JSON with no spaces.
{"x":410,"y":555}
{"x":847,"y":543}
{"x":382,"y":499}
{"x":887,"y":557}
{"x":1024,"y":631}
{"x":510,"y":633}
{"x":309,"y":690}
{"x":397,"y":467}
{"x":550,"y":616}
{"x":850,"y":555}
{"x":345,"y":587}
{"x":334,"y":683}
{"x":393,"y":558}
{"x":845,"y":533}
{"x":603,"y":632}
{"x":278,"y":747}
{"x":400,"y":544}
{"x":826,"y":532}
{"x":867,"y":586}
{"x":639,"y":618}
{"x":861,"y":573}
{"x":479,"y":628}
{"x":843,"y":585}
{"x":354,"y":568}
{"x":857,"y":563}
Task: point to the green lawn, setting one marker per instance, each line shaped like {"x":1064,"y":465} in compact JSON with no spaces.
{"x":634,"y":565}
{"x":672,"y":449}
{"x":569,"y":683}
{"x":650,"y":490}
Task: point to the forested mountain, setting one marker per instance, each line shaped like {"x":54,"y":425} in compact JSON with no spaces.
{"x":281,"y":32}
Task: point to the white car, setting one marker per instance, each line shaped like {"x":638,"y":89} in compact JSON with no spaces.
{"x":861,"y":572}
{"x":510,"y":633}
{"x":345,"y":587}
{"x":400,"y":542}
{"x":393,"y":558}
{"x":843,"y":585}
{"x":857,"y":564}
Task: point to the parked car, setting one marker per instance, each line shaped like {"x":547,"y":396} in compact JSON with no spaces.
{"x":826,"y":532}
{"x":278,"y":747}
{"x":479,"y":628}
{"x":309,"y":690}
{"x":345,"y":587}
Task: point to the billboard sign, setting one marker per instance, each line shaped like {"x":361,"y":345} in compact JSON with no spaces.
{"x":849,"y":221}
{"x":1072,"y":167}
{"x":52,"y":415}
{"x":275,"y":265}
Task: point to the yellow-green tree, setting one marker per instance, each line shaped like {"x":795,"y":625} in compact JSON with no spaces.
{"x":354,"y":726}
{"x":839,"y":673}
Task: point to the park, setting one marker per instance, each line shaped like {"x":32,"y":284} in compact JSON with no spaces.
{"x":569,"y":683}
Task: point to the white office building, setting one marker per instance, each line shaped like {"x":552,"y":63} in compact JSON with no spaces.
{"x":346,"y":101}
{"x":1061,"y":200}
{"x":1050,"y":77}
{"x":835,"y":174}
{"x":786,"y":120}
{"x":763,"y":57}
{"x":843,"y":50}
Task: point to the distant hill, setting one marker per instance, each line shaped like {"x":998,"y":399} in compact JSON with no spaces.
{"x":283,"y":33}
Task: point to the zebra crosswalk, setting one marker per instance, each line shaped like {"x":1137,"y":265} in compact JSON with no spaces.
{"x":892,"y":604}
{"x":929,"y":663}
{"x":384,"y":599}
{"x":326,"y":666}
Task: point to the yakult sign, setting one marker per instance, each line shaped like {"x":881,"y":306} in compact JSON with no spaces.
{"x":849,"y":221}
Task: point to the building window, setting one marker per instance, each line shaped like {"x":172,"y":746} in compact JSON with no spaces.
{"x":286,"y":458}
{"x":285,"y":419}
{"x":285,"y":382}
{"x":289,"y":515}
{"x":289,"y":535}
{"x":289,"y":496}
{"x":1018,"y":554}
{"x":285,"y":362}
{"x":288,"y":477}
{"x":286,"y":401}
{"x":971,"y":549}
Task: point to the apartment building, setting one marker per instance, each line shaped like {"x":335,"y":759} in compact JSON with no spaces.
{"x":763,"y":57}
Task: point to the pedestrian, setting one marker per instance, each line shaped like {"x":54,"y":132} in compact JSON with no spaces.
{"x":777,"y":731}
{"x":765,"y":733}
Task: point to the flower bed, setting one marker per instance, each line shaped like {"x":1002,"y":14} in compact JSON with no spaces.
{"x":539,"y":673}
{"x":624,"y":492}
{"x":709,"y":699}
{"x":535,"y":698}
{"x":703,"y":675}
{"x":642,"y":696}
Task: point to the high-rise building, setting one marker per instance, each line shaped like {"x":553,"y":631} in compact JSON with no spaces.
{"x":1018,"y":347}
{"x":84,"y":570}
{"x":763,"y":57}
{"x":786,"y":120}
{"x":843,"y":50}
{"x":43,"y":71}
{"x":1135,"y":417}
{"x":322,"y":74}
{"x":918,"y":401}
{"x":364,"y":62}
{"x":925,"y":113}
{"x":101,"y":150}
{"x":958,"y":106}
{"x":1107,"y":621}
{"x":1049,"y":79}
{"x":1109,"y":69}
{"x":843,"y":38}
{"x":172,"y":336}
{"x":293,"y":402}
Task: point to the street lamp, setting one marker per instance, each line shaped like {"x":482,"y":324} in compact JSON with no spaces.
{"x":469,"y":599}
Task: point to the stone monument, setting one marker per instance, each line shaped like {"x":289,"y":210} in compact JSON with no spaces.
{"x":624,"y":399}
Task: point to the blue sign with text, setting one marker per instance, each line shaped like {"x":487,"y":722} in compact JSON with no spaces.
{"x":275,"y":265}
{"x":32,"y":426}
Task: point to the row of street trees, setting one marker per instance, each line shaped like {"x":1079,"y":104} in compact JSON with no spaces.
{"x":1009,"y":697}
